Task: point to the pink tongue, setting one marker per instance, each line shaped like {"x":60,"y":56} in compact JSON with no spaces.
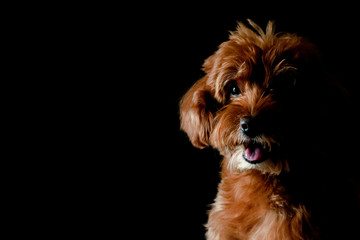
{"x":252,"y":155}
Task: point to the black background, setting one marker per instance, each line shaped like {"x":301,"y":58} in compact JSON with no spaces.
{"x":116,"y":162}
{"x":168,"y":44}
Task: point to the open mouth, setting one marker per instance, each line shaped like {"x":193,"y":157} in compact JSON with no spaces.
{"x":255,"y":152}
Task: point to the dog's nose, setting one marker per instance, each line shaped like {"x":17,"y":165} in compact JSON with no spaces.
{"x":247,"y":126}
{"x":244,"y":124}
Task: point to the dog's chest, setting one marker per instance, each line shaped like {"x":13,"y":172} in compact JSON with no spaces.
{"x":256,"y":206}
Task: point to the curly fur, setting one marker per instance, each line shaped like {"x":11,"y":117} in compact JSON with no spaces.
{"x":289,"y":98}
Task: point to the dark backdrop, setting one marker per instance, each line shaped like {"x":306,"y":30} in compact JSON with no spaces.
{"x":101,"y":150}
{"x":147,"y":178}
{"x":177,"y":182}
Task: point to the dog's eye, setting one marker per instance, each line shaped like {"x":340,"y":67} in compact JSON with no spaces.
{"x":233,"y":89}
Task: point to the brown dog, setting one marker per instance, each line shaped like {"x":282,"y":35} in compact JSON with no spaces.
{"x":268,"y":107}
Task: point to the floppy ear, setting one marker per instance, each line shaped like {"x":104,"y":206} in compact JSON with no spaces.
{"x":196,"y":116}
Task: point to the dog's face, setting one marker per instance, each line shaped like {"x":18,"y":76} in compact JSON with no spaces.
{"x":248,"y":104}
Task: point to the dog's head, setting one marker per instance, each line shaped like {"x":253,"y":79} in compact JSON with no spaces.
{"x":249,"y":102}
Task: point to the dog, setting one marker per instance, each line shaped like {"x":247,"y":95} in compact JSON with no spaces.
{"x":278,"y":119}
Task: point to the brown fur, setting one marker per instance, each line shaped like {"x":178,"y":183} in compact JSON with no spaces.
{"x":252,"y":205}
{"x":261,"y":201}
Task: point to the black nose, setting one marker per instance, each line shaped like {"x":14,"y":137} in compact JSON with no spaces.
{"x":244,"y":124}
{"x":248,"y":127}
